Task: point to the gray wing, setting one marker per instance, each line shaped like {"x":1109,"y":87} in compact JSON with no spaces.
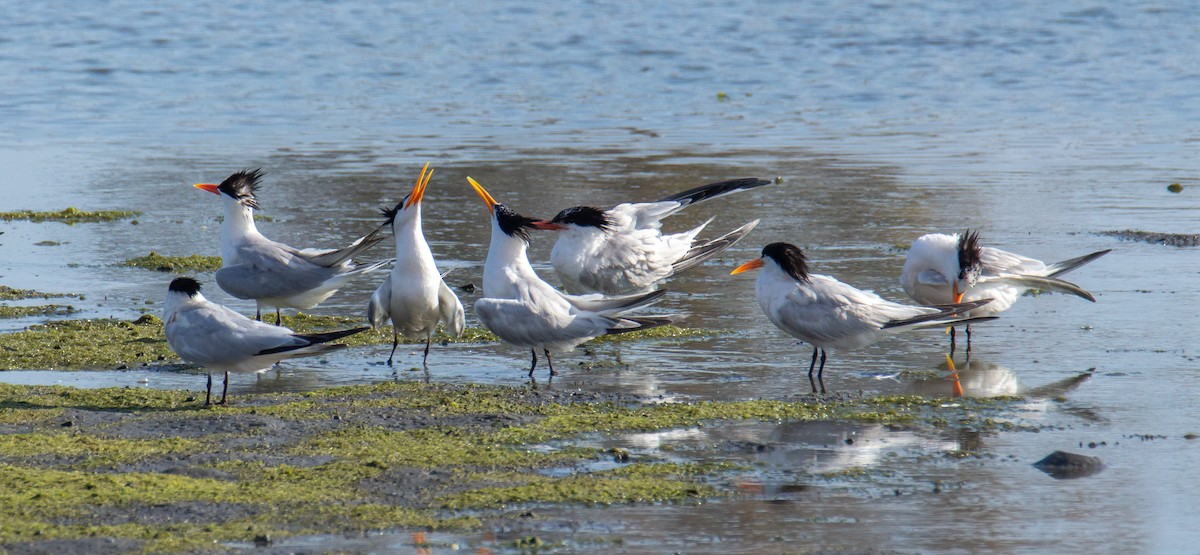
{"x":521,"y":324}
{"x":381,"y":300}
{"x":270,"y":270}
{"x":216,"y":335}
{"x":451,"y":309}
{"x":997,"y":262}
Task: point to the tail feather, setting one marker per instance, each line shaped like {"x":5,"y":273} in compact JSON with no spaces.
{"x":1059,"y":268}
{"x":339,"y":256}
{"x":1045,"y":284}
{"x":614,"y":305}
{"x":638,"y":323}
{"x":943,"y":311}
{"x":705,"y":192}
{"x":320,"y":340}
{"x":699,"y":253}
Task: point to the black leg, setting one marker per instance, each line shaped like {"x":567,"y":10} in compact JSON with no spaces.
{"x":821,"y":372}
{"x":812,"y":365}
{"x":395,"y":341}
{"x":278,"y":317}
{"x":425,"y":359}
{"x":258,"y":313}
{"x":208,"y":391}
{"x":968,"y":338}
{"x":225,"y":388}
{"x":533,"y":364}
{"x":952,"y":340}
{"x":549,"y":361}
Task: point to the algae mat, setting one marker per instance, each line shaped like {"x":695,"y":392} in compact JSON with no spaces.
{"x":155,"y":471}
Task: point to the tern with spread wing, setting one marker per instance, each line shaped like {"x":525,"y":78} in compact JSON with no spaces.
{"x":525,"y":311}
{"x":829,"y":314}
{"x":622,"y":250}
{"x":219,"y":339}
{"x":943,"y":268}
{"x":414,"y":296}
{"x":271,"y":273}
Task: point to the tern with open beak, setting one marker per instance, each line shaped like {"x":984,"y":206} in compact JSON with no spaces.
{"x":414,"y":296}
{"x":525,"y":311}
{"x":828,"y":314}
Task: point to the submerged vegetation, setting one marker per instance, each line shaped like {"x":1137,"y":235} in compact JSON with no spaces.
{"x":160,"y":263}
{"x":69,"y":215}
{"x":351,"y":459}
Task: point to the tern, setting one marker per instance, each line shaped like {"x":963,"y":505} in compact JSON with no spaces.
{"x":525,"y":311}
{"x":272,"y":273}
{"x":829,"y":314}
{"x":943,"y":268}
{"x":414,"y":296}
{"x":622,"y":250}
{"x":219,"y":339}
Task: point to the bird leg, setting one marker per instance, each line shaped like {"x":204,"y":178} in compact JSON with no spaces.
{"x":278,"y":317}
{"x":225,"y":388}
{"x":951,"y":330}
{"x":549,"y":361}
{"x":395,"y":341}
{"x":258,"y":313}
{"x":208,"y":392}
{"x":812,"y":365}
{"x":821,"y":372}
{"x":425,"y":359}
{"x":533,"y":364}
{"x":968,"y":338}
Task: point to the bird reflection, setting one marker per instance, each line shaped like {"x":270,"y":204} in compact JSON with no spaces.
{"x":973,"y":378}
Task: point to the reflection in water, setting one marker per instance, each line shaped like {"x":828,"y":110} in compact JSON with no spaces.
{"x":977,"y":378}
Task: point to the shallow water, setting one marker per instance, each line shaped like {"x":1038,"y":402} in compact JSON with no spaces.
{"x":1040,"y":126}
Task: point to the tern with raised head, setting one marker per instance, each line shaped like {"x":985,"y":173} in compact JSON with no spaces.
{"x":523,"y":310}
{"x":270,"y":273}
{"x":219,"y":339}
{"x":942,"y":268}
{"x":829,"y":314}
{"x":414,"y":296}
{"x":623,"y":250}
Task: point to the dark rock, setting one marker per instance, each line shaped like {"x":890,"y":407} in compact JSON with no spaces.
{"x":1063,"y":465}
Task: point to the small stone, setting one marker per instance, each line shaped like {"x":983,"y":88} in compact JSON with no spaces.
{"x":67,"y":424}
{"x":1064,"y":466}
{"x":1175,"y":187}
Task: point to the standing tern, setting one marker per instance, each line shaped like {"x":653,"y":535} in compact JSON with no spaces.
{"x":272,"y":273}
{"x":210,"y":335}
{"x":414,"y":296}
{"x":525,"y":311}
{"x":622,"y":250}
{"x":943,"y":268}
{"x":829,"y":314}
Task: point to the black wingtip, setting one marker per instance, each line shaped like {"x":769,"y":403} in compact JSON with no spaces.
{"x":705,"y":192}
{"x":186,"y":285}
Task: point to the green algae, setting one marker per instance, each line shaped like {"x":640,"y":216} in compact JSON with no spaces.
{"x":161,"y":263}
{"x":323,"y":465}
{"x":10,"y":294}
{"x":7,"y":311}
{"x":69,"y":215}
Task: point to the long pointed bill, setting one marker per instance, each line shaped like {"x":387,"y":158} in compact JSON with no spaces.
{"x":547,"y":225}
{"x":418,"y":191}
{"x":958,"y":295}
{"x":751,"y":265}
{"x":487,"y":199}
{"x":210,"y":187}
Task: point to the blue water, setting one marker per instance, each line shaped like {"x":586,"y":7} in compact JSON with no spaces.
{"x":1041,"y":124}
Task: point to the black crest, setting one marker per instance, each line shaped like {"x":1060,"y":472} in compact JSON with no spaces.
{"x":512,"y":223}
{"x":242,"y":186}
{"x":186,"y":285}
{"x":969,"y":253}
{"x":584,"y":216}
{"x":389,"y":214}
{"x":789,"y":257}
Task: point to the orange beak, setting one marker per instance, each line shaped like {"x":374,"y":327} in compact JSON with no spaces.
{"x":487,"y":199}
{"x":957,"y":294}
{"x":210,"y":187}
{"x":751,"y":265}
{"x":418,"y":191}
